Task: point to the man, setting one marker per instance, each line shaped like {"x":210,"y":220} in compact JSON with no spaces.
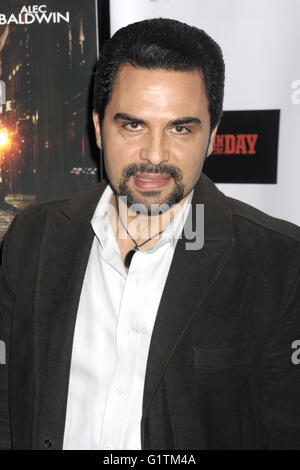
{"x":119,"y":333}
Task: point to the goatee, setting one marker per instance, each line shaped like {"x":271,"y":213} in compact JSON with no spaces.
{"x":149,"y":201}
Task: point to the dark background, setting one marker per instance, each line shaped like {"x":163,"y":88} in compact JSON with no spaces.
{"x":239,"y":167}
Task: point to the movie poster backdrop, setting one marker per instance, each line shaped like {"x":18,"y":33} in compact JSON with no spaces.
{"x":48,"y":52}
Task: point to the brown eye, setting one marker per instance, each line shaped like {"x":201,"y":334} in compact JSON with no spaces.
{"x":132,"y":126}
{"x":181,"y":130}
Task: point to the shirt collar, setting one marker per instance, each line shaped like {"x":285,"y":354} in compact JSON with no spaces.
{"x":103,"y":230}
{"x":174,"y":229}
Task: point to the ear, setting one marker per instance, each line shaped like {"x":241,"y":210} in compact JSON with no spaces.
{"x":97,"y":129}
{"x":211,"y":141}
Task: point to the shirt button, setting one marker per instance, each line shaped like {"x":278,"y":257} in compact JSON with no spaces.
{"x":108,"y":448}
{"x":119,"y":390}
{"x":126,"y":332}
{"x":48,"y":443}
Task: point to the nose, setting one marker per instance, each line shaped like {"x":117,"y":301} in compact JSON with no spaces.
{"x":155,"y":149}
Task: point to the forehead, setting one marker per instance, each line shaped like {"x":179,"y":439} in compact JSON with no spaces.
{"x":158,"y":90}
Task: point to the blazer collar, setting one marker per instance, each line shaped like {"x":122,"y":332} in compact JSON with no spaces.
{"x":81,"y":205}
{"x":217,"y":213}
{"x":218,"y":223}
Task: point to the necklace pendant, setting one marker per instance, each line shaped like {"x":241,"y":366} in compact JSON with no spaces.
{"x":129,"y":257}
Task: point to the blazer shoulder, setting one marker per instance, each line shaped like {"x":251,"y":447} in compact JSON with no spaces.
{"x":78,"y":205}
{"x":62,"y":201}
{"x":260,"y":220}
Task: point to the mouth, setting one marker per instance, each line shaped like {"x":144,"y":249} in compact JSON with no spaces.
{"x":150,"y":180}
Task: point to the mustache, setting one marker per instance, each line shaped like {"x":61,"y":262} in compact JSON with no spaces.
{"x":171,"y":170}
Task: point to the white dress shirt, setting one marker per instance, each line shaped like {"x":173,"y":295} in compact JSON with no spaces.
{"x":114,"y":324}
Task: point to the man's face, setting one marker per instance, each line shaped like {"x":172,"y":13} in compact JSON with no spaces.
{"x":155,"y":135}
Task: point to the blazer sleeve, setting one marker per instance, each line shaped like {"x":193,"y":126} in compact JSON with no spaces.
{"x":7,"y":296}
{"x":281,"y":377}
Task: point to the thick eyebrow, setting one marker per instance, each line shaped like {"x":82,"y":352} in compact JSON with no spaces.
{"x":127,"y":117}
{"x":186,"y":120}
{"x":176,"y":122}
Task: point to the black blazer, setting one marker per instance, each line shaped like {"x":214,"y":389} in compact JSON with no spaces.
{"x":221,"y":370}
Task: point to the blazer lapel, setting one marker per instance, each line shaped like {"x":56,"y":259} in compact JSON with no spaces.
{"x":64,"y":256}
{"x":191,"y":276}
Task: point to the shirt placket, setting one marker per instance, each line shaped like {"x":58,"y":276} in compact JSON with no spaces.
{"x":118,"y":397}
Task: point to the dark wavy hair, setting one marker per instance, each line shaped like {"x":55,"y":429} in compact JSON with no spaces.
{"x":162,"y":44}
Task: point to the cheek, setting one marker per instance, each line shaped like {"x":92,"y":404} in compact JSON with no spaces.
{"x":190,"y":157}
{"x":121,"y":152}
